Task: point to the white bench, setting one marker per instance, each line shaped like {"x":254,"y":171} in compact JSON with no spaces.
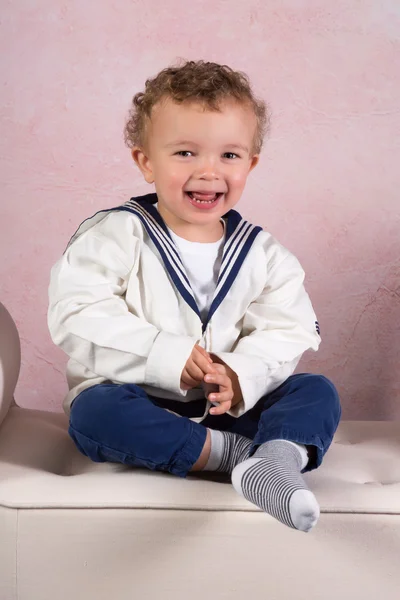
{"x":73,"y":529}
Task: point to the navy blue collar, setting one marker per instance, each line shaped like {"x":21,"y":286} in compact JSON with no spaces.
{"x":239,"y":238}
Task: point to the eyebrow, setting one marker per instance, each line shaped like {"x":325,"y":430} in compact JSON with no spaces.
{"x":239,"y":146}
{"x":189,"y":143}
{"x":180,"y":143}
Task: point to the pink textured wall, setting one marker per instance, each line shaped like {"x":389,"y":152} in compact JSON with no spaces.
{"x":327,"y":187}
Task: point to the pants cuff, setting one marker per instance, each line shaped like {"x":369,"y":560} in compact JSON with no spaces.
{"x":298,"y":438}
{"x":184,"y":460}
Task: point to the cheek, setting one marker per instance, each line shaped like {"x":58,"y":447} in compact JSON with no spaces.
{"x":174,"y":177}
{"x":238,"y":179}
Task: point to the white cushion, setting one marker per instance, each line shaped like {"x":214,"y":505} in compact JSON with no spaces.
{"x":70,"y":528}
{"x":40,"y":467}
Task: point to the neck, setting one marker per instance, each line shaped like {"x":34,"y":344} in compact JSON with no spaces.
{"x":205,"y":235}
{"x":212,"y":232}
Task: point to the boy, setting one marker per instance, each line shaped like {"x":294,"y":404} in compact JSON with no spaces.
{"x":183,"y":322}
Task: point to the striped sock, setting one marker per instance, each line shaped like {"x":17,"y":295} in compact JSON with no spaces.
{"x":227,"y":451}
{"x":272,"y":480}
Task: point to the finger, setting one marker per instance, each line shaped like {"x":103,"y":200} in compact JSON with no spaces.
{"x":188,"y":380}
{"x":199,"y":355}
{"x":218,"y":368}
{"x":203,"y":352}
{"x":199,"y":352}
{"x":203,"y":364}
{"x":221,"y":396}
{"x":210,"y":388}
{"x":220,"y":379}
{"x":185,"y":385}
{"x":221,"y":409}
{"x":194,"y":371}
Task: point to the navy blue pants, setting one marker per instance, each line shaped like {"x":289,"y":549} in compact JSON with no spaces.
{"x":121,"y":423}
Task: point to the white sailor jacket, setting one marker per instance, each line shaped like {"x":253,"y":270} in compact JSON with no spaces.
{"x":122,"y":308}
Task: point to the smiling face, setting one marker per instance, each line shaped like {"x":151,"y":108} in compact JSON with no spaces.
{"x":199,"y":161}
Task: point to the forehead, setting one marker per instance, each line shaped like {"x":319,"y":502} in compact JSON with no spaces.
{"x":193,"y":120}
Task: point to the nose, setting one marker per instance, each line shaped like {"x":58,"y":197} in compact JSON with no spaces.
{"x":208,"y":170}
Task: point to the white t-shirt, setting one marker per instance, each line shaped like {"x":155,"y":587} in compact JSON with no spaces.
{"x":202,"y":262}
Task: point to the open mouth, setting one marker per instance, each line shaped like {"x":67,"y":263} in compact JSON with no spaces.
{"x":204,"y":198}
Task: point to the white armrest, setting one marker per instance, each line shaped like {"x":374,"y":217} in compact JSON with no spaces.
{"x":10,"y":360}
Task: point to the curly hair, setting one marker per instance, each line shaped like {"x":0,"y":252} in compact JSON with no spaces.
{"x":205,"y":82}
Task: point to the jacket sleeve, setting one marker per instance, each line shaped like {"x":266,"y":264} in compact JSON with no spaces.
{"x":90,"y":320}
{"x":279,"y":326}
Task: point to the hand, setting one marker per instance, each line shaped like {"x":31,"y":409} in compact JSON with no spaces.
{"x":197,"y":366}
{"x":229,"y":393}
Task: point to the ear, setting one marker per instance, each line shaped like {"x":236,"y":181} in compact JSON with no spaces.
{"x":254,"y":161}
{"x":143,"y":162}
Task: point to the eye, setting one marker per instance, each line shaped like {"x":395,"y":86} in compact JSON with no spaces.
{"x":230,"y":155}
{"x":184,"y":153}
